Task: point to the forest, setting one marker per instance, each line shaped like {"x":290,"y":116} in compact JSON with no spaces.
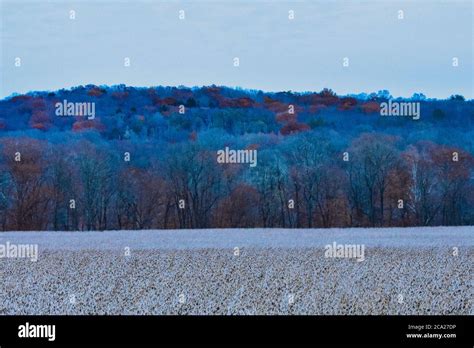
{"x":147,"y":159}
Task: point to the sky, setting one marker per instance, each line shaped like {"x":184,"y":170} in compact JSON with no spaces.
{"x":404,"y":56}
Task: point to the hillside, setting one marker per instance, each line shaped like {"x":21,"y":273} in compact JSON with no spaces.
{"x":101,"y":158}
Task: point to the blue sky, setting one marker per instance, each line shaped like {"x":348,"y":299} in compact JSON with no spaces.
{"x":305,"y":54}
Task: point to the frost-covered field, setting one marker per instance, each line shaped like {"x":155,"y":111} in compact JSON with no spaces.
{"x":405,"y":271}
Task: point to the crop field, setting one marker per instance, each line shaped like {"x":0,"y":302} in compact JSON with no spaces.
{"x":258,"y":271}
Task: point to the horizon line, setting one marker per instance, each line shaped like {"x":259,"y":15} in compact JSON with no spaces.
{"x":356,"y":95}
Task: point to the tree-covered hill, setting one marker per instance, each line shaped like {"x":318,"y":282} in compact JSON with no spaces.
{"x":148,"y":158}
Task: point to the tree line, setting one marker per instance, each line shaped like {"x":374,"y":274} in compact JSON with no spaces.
{"x":306,"y":180}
